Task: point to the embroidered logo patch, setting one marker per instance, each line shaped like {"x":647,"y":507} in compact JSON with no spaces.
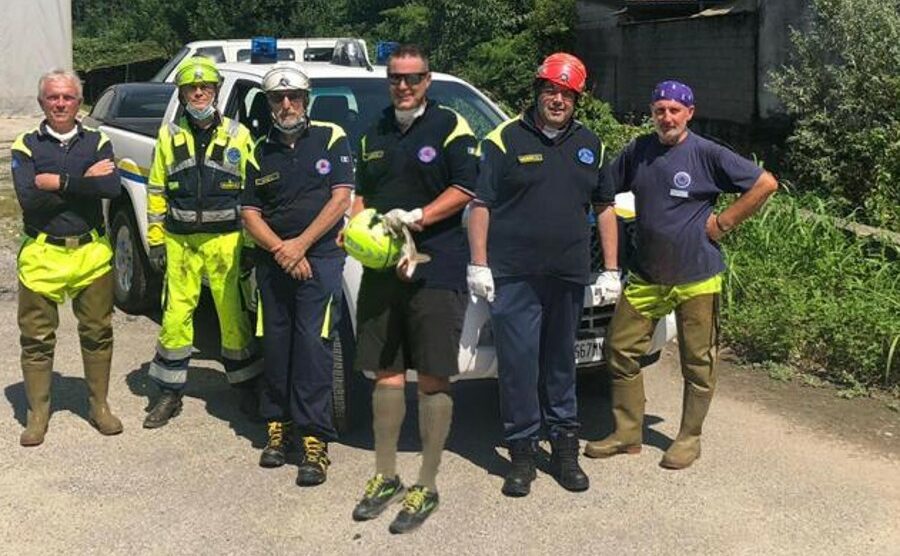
{"x":682,"y":180}
{"x":530,"y":158}
{"x":230,"y":185}
{"x":586,"y":156}
{"x":267,"y":179}
{"x":323,"y":167}
{"x":233,"y":155}
{"x":374,"y":155}
{"x":427,"y":154}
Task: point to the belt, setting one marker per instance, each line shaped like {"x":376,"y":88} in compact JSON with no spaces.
{"x":65,"y":241}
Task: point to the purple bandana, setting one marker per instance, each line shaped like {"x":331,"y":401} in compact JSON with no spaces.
{"x":674,"y":90}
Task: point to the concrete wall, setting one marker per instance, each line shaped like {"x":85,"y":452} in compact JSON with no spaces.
{"x":35,"y":37}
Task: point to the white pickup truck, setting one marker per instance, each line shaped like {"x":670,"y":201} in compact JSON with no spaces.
{"x":353,"y":98}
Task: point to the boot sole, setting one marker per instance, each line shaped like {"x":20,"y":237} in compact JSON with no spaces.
{"x":626,"y":450}
{"x":30,"y":443}
{"x":676,"y":466}
{"x":111,"y":432}
{"x":156,"y":425}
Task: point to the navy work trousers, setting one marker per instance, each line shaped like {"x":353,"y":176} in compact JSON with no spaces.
{"x":300,"y":319}
{"x":534,"y":320}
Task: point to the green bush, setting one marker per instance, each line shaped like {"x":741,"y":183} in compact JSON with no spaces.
{"x":843,"y":89}
{"x":801,"y":290}
{"x":597,"y":116}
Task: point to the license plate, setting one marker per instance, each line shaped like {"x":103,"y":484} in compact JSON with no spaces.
{"x":589,"y":351}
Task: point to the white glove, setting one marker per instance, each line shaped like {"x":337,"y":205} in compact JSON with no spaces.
{"x":607,"y":287}
{"x":480,"y":281}
{"x":396,"y":219}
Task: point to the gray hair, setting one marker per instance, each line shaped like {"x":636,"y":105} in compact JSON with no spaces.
{"x":58,"y":74}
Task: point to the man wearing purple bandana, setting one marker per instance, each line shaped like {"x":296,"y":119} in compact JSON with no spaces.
{"x":676,"y":177}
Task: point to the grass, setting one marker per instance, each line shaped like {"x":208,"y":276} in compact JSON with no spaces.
{"x":804,"y":293}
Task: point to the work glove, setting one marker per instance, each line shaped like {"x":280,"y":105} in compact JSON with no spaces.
{"x":157,"y":258}
{"x":480,"y":281}
{"x":396,"y":219}
{"x":607,"y":287}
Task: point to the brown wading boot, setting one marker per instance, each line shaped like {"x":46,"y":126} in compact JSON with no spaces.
{"x":686,"y":448}
{"x":96,"y":374}
{"x":628,"y":414}
{"x":37,"y":380}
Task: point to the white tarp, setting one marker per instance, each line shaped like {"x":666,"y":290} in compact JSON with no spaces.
{"x":35,"y":37}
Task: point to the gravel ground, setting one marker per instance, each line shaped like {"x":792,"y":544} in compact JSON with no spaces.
{"x":785,"y":470}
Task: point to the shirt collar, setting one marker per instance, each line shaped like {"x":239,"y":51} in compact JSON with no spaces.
{"x":529,"y":121}
{"x":44,"y":126}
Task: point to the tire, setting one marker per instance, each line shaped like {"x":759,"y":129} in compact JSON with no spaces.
{"x":132,"y":290}
{"x":348,"y":388}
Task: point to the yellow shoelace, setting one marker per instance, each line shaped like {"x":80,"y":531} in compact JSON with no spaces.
{"x":414,"y":499}
{"x":315,"y":450}
{"x":373,"y":485}
{"x":276,"y":433}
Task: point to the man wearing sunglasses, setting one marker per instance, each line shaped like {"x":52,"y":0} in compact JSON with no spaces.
{"x":539,"y":175}
{"x":293,"y":205}
{"x":194,"y":228}
{"x":417,"y":168}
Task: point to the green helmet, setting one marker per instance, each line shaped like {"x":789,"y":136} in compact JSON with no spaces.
{"x":198,"y":69}
{"x":367,"y":241}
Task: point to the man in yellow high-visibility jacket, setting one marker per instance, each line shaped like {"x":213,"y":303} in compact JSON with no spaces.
{"x":194,"y":228}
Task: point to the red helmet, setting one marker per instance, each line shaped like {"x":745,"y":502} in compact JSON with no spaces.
{"x":565,"y":70}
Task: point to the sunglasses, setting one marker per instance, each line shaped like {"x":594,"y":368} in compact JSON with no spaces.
{"x":412,"y":79}
{"x":277,"y":97}
{"x":552,"y":91}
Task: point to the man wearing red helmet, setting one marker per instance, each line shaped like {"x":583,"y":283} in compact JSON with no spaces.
{"x":529,"y":238}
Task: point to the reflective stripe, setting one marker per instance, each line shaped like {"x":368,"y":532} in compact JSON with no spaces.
{"x":326,"y":322}
{"x":168,"y":376}
{"x":173,"y":129}
{"x":183,"y":215}
{"x":153,"y":217}
{"x":189,"y":163}
{"x":233,"y":127}
{"x":239,"y":354}
{"x":173,"y":354}
{"x":245,"y":373}
{"x":231,"y":170}
{"x":19,"y":143}
{"x":223,"y":215}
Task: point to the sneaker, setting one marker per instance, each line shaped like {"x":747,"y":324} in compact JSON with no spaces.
{"x":419,"y":503}
{"x":380,"y":493}
{"x":314,"y":462}
{"x":273,"y":455}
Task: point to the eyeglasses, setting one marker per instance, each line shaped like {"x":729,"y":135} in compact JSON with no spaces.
{"x":412,"y":79}
{"x":207,"y":88}
{"x":277,"y":97}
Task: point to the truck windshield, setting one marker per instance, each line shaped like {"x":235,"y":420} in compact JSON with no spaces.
{"x":355,"y":104}
{"x":170,"y":65}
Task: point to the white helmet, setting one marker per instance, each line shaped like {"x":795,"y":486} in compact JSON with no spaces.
{"x":285,"y":76}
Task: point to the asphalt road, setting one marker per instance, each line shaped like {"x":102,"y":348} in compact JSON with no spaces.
{"x":766,"y":484}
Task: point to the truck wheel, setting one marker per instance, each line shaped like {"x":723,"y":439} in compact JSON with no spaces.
{"x":348,"y":391}
{"x":130,"y":268}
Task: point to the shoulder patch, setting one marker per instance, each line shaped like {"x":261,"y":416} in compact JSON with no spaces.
{"x":586,"y":156}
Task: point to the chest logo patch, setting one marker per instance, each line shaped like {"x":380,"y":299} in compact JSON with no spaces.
{"x":682,"y":180}
{"x":427,"y":154}
{"x":586,"y":155}
{"x":267,"y":179}
{"x":230,"y":185}
{"x":323,"y":167}
{"x":530,"y":158}
{"x":233,"y":155}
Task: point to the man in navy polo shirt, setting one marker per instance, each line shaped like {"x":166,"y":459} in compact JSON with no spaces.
{"x":676,"y":177}
{"x":293,"y":206}
{"x":530,"y":259}
{"x":416,"y":166}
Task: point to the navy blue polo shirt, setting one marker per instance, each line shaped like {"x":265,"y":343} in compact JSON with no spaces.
{"x":293,"y":184}
{"x":539,"y":192}
{"x":409,"y":170}
{"x":77,"y":208}
{"x":675,"y":190}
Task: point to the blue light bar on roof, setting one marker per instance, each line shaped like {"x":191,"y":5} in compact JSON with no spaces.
{"x":263,"y":50}
{"x":383,"y":49}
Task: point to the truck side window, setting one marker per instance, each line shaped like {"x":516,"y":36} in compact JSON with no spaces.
{"x":248,"y":105}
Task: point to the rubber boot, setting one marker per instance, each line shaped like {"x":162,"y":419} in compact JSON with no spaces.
{"x":686,"y":448}
{"x":518,"y":481}
{"x":96,"y":374}
{"x":628,"y":413}
{"x":37,"y":380}
{"x":564,"y":462}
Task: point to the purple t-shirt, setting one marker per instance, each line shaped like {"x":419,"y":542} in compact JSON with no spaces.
{"x":675,"y":190}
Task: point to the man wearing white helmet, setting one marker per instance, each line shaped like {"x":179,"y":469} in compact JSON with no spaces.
{"x":292,"y":206}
